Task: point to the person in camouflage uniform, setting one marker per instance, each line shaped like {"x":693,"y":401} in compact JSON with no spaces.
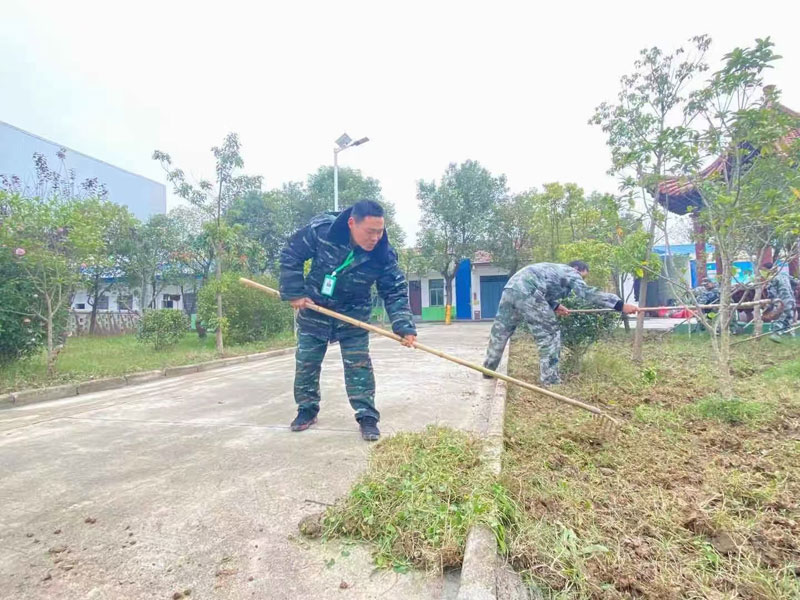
{"x":352,"y":248}
{"x":780,"y":288}
{"x":707,"y":292}
{"x":532,"y":296}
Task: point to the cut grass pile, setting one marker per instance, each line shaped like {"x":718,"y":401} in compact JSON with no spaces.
{"x":697,"y":497}
{"x":418,"y":499}
{"x":85,"y":358}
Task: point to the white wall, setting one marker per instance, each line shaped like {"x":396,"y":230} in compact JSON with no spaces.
{"x":81,"y":297}
{"x":144,"y":197}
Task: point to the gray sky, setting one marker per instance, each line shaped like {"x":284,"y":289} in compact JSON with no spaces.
{"x":511,"y":84}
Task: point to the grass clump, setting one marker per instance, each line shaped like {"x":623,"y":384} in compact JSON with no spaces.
{"x":419,"y":497}
{"x":734,"y":411}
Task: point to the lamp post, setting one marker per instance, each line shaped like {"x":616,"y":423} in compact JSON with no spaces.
{"x":343,"y":143}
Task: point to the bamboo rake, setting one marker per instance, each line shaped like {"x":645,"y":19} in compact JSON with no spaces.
{"x":608,"y":419}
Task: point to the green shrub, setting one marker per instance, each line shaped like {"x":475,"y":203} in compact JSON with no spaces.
{"x":21,"y":332}
{"x":249,"y":315}
{"x":580,"y":331}
{"x":162,"y":328}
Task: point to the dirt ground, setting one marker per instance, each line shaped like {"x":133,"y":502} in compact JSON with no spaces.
{"x":696,"y":496}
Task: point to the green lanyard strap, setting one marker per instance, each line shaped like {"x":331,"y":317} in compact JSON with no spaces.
{"x":344,"y":265}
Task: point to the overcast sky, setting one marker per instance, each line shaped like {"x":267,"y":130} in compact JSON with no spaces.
{"x":511,"y":84}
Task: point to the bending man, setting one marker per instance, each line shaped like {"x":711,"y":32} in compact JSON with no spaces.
{"x":532,"y":296}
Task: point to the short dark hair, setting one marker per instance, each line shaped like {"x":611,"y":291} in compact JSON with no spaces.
{"x":766,"y":265}
{"x":579,"y":265}
{"x":366,"y":208}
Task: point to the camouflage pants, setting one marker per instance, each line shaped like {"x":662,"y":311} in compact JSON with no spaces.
{"x":358,"y":376}
{"x":535,"y":312}
{"x":783,"y":322}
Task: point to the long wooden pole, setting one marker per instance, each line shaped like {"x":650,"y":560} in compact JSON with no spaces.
{"x":760,"y":335}
{"x":649,"y":308}
{"x":440,"y":354}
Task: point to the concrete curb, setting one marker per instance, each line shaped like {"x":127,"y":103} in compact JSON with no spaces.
{"x":32,"y":396}
{"x":484,"y":574}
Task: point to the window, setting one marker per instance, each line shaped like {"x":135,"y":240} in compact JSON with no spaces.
{"x":102,"y":302}
{"x":125,"y":302}
{"x":190,"y":303}
{"x":170,"y":300}
{"x":436,"y":292}
{"x":80,"y":306}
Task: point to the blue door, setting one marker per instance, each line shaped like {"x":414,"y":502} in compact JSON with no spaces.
{"x":464,"y":290}
{"x":491,"y":290}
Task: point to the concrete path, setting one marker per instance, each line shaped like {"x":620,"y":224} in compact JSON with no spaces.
{"x":196,"y":483}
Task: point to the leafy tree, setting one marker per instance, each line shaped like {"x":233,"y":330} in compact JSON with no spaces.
{"x":749,"y":197}
{"x":648,"y":133}
{"x":111,"y":266}
{"x":513,"y":231}
{"x":215,"y":200}
{"x":21,"y":333}
{"x":51,"y":238}
{"x":249,"y":315}
{"x":151,"y":261}
{"x":353,"y":186}
{"x":455,"y":216}
{"x":270,"y":218}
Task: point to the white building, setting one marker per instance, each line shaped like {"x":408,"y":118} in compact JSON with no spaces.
{"x":143,"y":197}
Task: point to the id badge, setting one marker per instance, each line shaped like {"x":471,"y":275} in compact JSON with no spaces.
{"x":327,"y":286}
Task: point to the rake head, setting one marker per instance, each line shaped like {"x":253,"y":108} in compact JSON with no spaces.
{"x":609,"y":426}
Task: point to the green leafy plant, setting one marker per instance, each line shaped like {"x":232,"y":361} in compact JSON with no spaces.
{"x":249,"y":315}
{"x":580,"y":330}
{"x":162,"y":328}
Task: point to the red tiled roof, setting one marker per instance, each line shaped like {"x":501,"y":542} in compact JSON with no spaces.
{"x":678,"y":194}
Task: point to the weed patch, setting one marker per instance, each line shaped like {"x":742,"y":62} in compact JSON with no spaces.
{"x":697,"y":497}
{"x":421,"y":494}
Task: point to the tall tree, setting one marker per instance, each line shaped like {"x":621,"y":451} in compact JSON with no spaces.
{"x":647,"y":132}
{"x":455,"y":216}
{"x":756,"y":175}
{"x":151,"y":260}
{"x":513,"y":231}
{"x":216,"y":200}
{"x":52,"y":238}
{"x":110,"y":267}
{"x":353,"y":186}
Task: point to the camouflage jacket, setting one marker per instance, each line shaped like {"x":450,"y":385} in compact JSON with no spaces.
{"x":556,"y":282}
{"x":705,"y":296}
{"x":326,"y":241}
{"x":780,"y":288}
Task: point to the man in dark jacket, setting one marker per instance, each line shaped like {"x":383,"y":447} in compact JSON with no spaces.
{"x":349,"y":251}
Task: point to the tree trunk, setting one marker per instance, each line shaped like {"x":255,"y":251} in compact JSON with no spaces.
{"x":448,"y":301}
{"x":96,"y":294}
{"x":220,"y":346}
{"x":51,"y":353}
{"x":724,"y":347}
{"x":699,"y":248}
{"x":638,"y":335}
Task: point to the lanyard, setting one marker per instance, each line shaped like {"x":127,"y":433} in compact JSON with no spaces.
{"x":344,"y":265}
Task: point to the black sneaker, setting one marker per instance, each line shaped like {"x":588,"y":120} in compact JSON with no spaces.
{"x":369,"y":429}
{"x":305,"y":418}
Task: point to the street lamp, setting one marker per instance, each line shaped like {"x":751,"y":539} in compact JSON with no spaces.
{"x":344,"y":142}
